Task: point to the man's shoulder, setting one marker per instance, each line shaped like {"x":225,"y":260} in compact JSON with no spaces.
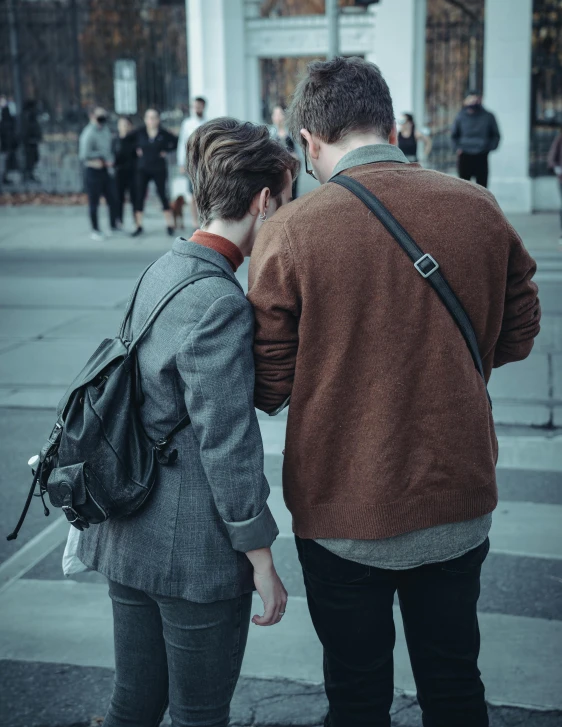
{"x":311,"y":203}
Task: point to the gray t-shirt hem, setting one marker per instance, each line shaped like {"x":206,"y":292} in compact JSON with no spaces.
{"x":412,"y":550}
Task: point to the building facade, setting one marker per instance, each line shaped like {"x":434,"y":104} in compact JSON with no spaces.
{"x":231,"y":43}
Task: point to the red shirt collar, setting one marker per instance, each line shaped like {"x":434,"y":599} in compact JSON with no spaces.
{"x":221,"y":245}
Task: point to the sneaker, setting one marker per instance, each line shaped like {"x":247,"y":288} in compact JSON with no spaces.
{"x":97,"y":236}
{"x":137,"y":232}
{"x":171,"y":231}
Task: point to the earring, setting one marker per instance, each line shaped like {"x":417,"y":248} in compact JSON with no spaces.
{"x":263,"y":217}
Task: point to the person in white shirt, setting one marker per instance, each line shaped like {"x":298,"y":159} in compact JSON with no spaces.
{"x":187,"y":128}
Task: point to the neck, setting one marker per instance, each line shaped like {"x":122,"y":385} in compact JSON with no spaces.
{"x":335,"y":152}
{"x":237,"y":232}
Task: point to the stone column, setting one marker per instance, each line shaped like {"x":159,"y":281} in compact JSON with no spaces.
{"x":215,"y":41}
{"x":507,"y":92}
{"x":400,"y":53}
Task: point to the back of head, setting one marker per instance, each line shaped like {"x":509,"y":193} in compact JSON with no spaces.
{"x":229,"y":162}
{"x":341,"y":97}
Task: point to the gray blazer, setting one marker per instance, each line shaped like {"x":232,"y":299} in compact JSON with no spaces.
{"x":209,"y":508}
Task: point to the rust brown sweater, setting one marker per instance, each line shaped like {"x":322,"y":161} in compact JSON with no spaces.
{"x":389,"y":428}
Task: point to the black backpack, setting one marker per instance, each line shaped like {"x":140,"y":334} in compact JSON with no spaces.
{"x":99,"y":463}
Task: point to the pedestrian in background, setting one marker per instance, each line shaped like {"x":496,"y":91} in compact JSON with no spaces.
{"x":279,"y":133}
{"x":153,"y":144}
{"x":390,"y":456}
{"x":409,"y":137}
{"x":182,"y":570}
{"x":125,"y":154}
{"x":95,"y":152}
{"x":475,"y":134}
{"x":31,"y":138}
{"x":187,"y":128}
{"x":8,"y":139}
{"x":555,"y":163}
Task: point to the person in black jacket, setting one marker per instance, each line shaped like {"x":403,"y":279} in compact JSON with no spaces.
{"x":125,"y":152}
{"x":475,"y":134}
{"x":8,"y":138}
{"x":31,"y":137}
{"x":153,"y":144}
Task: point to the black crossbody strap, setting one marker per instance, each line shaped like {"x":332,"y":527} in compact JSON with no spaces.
{"x":424,"y":263}
{"x":131,"y":302}
{"x":163,"y":302}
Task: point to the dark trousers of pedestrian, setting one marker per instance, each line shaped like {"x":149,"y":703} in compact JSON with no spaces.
{"x":100,"y":184}
{"x":560,"y":188}
{"x":473,"y":166}
{"x":169,"y":651}
{"x":160,"y":178}
{"x":351,"y":606}
{"x":125,"y":182}
{"x":31,"y":159}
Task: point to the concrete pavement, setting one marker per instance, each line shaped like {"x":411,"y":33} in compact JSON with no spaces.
{"x":59,"y":294}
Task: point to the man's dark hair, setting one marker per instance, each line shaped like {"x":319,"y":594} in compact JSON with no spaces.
{"x":229,"y":162}
{"x":201,"y":100}
{"x":339,"y":97}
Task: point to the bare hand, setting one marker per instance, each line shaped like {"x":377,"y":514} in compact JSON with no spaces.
{"x":274,"y":597}
{"x":139,"y":152}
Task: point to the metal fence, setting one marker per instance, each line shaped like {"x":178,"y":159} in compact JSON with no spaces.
{"x":454,"y":64}
{"x":61,"y":54}
{"x":546,"y":86}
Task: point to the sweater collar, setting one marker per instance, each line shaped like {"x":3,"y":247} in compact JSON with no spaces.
{"x":370,"y":154}
{"x":221,"y":245}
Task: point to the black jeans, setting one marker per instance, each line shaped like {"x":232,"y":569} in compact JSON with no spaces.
{"x":100,"y":184}
{"x":160,"y":179}
{"x":125,"y":181}
{"x":351,"y":608}
{"x":176,"y":652}
{"x":473,"y":165}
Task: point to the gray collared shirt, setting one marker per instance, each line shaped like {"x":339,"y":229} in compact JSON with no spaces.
{"x":431,"y":545}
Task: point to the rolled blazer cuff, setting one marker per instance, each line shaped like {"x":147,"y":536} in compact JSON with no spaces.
{"x":258,"y":532}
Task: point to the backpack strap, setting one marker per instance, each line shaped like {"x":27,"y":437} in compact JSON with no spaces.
{"x":185,"y":421}
{"x":424,"y":263}
{"x":163,"y":302}
{"x":131,"y":302}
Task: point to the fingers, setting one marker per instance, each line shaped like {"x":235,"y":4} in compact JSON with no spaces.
{"x":270,"y":613}
{"x":273,"y":612}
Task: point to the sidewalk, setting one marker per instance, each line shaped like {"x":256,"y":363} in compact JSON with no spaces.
{"x":60,"y":293}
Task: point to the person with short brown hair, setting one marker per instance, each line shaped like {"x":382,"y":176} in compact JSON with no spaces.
{"x":182,"y":570}
{"x":230,"y":163}
{"x":390,"y":453}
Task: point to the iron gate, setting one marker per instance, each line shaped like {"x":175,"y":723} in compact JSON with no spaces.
{"x":546,"y":85}
{"x":454,"y":64}
{"x":61,"y":54}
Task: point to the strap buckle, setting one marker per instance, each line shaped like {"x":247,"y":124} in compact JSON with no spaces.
{"x":426,"y":273}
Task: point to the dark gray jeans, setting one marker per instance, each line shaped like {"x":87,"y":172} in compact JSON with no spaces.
{"x":176,"y":652}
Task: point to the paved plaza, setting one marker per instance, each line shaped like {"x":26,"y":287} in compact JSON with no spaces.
{"x":60,"y":293}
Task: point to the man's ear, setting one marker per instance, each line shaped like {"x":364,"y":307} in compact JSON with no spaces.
{"x":393,"y":138}
{"x":311,"y":143}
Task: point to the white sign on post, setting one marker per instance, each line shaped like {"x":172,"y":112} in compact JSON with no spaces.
{"x":125,"y":87}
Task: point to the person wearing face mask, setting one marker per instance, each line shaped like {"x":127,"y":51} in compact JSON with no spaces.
{"x":188,"y":126}
{"x":408,"y":138}
{"x":95,"y":152}
{"x":153,"y":143}
{"x":475,"y":134}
